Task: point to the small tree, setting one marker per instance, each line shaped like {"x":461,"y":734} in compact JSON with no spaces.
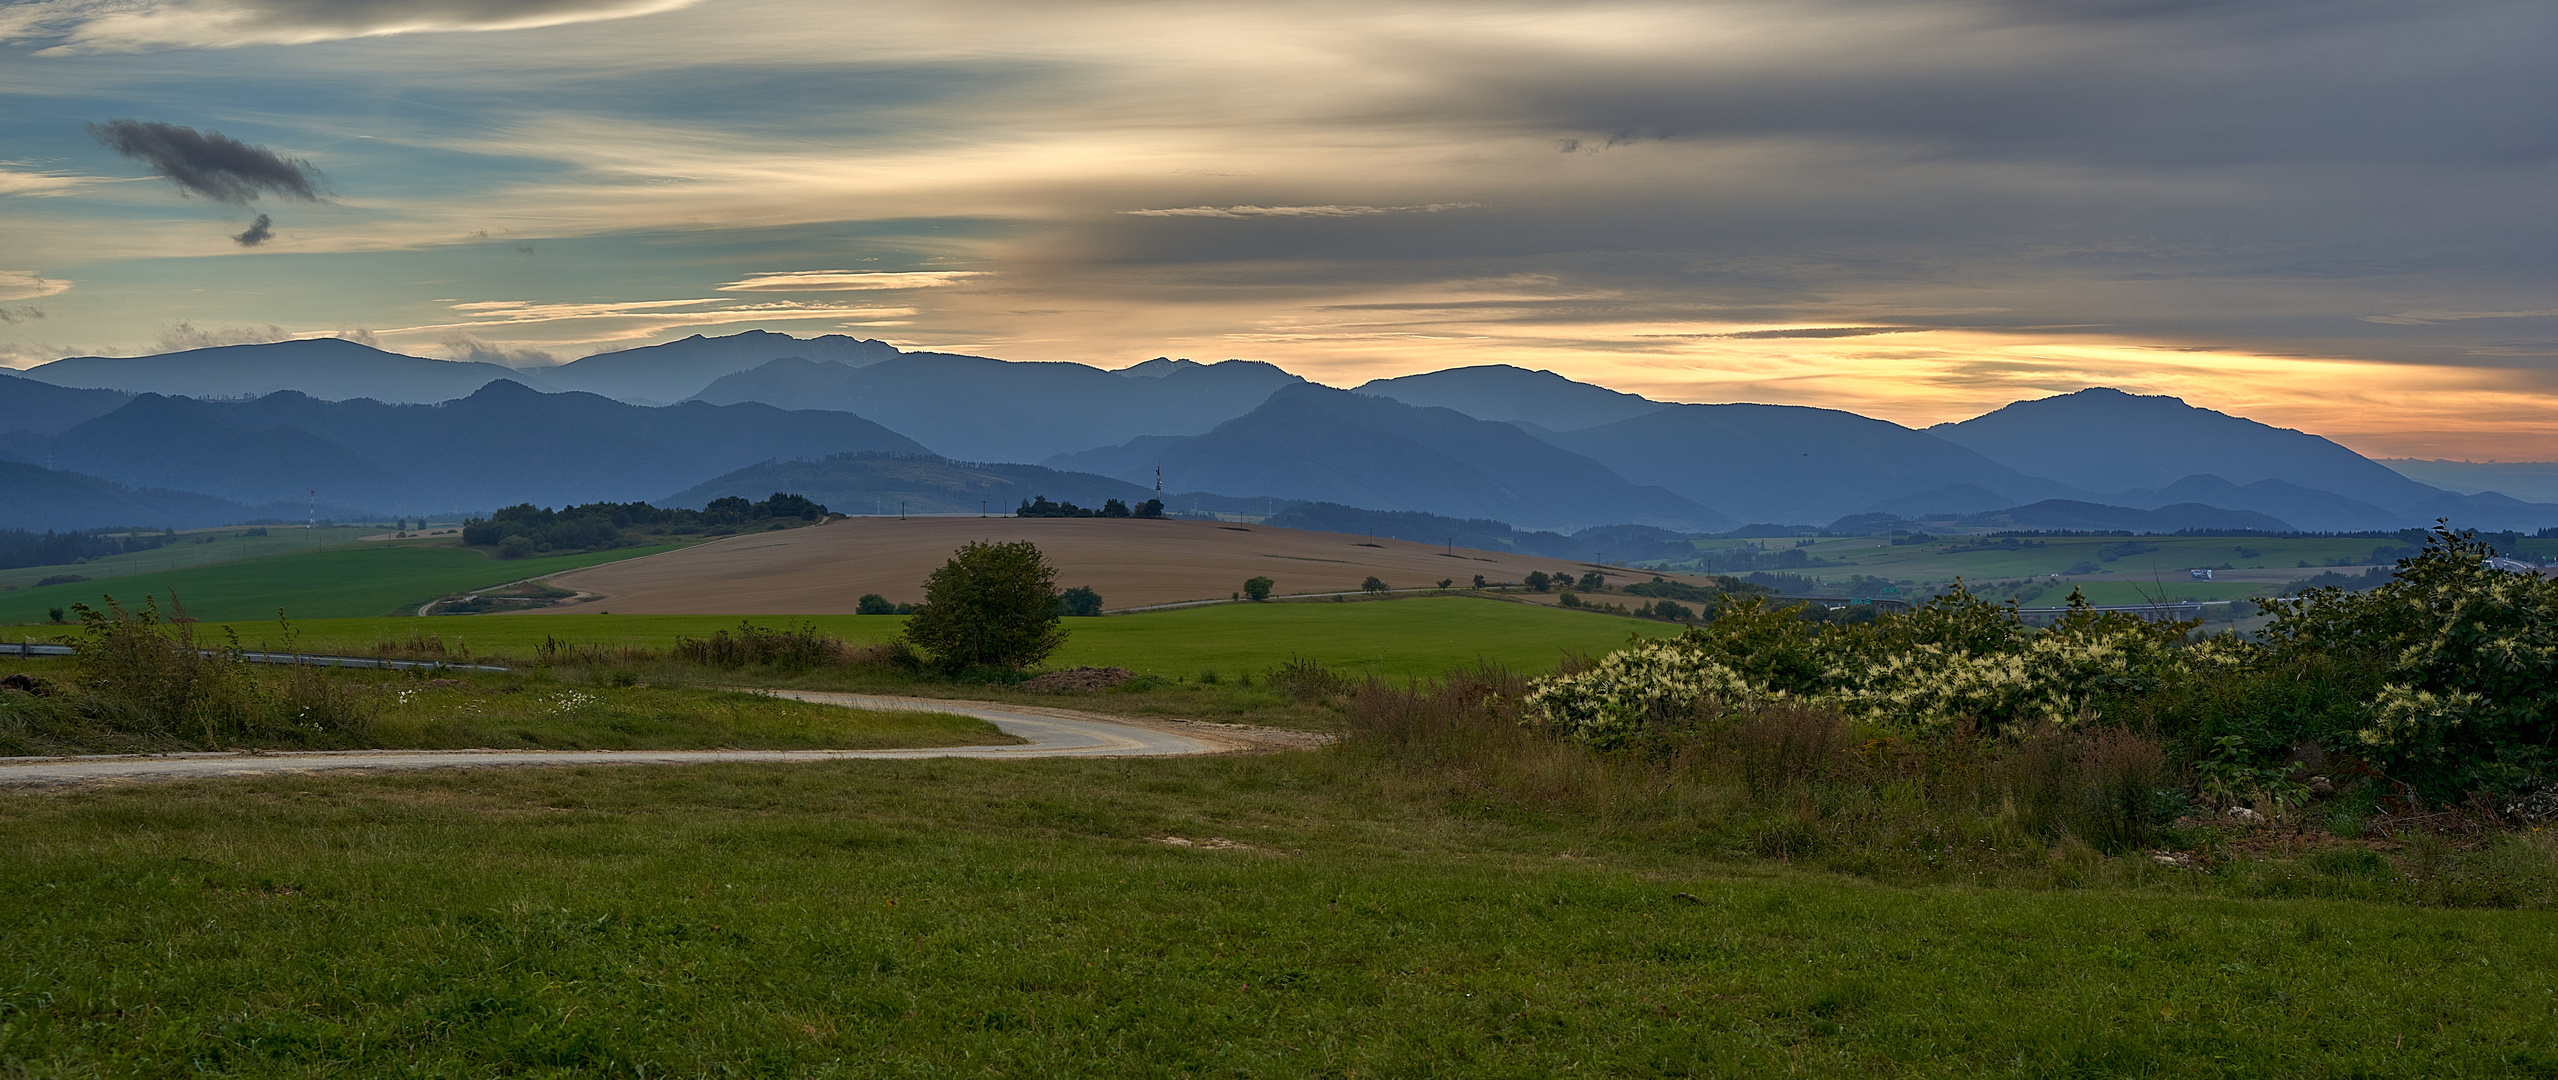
{"x":1373,"y":585}
{"x":991,"y":605}
{"x":1080,"y":601}
{"x":874,"y":604}
{"x":1478,"y":581}
{"x":1258,"y":588}
{"x":1537,"y":580}
{"x":1445,"y":582}
{"x":1151,"y":508}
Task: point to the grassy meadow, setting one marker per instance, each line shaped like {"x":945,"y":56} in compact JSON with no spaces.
{"x":340,"y":582}
{"x":1306,"y":914}
{"x":200,"y":547}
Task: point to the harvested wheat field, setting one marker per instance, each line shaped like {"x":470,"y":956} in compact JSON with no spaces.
{"x":1132,"y":562}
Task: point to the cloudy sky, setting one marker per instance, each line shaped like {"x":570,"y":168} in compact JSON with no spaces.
{"x":2330,"y":214}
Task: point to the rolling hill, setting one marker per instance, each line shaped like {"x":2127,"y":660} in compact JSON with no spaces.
{"x":677,"y":370}
{"x":33,"y":497}
{"x":32,"y":405}
{"x":1515,"y":395}
{"x":1791,"y":464}
{"x":502,"y":445}
{"x":2105,"y":440}
{"x":867,"y":483}
{"x":971,"y":408}
{"x":1324,"y":445}
{"x":2072,"y":515}
{"x":326,"y":368}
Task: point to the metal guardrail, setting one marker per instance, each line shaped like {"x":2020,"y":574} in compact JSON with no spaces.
{"x":29,"y":650}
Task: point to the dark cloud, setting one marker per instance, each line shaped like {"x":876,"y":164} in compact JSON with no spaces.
{"x":259,"y":232}
{"x":211,"y":164}
{"x":13,"y":316}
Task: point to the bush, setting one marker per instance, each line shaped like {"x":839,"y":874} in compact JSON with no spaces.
{"x":139,"y":680}
{"x":1307,"y":680}
{"x":874,"y":604}
{"x":1080,"y":602}
{"x":2461,"y":662}
{"x":993,"y":605}
{"x":796,"y":648}
{"x":1373,"y":585}
{"x":1258,"y":588}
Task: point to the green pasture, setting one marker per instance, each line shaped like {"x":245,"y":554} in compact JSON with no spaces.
{"x":201,"y":547}
{"x":371,"y":579}
{"x":1393,"y":639}
{"x":1037,"y":918}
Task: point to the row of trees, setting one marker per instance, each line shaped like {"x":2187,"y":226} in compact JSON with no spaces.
{"x":525,"y":529}
{"x":1041,"y":507}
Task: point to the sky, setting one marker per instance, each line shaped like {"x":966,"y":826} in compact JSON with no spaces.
{"x":2334,"y":215}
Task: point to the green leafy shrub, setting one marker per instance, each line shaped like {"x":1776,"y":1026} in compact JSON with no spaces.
{"x":992,"y":606}
{"x":2460,"y":662}
{"x":796,"y":648}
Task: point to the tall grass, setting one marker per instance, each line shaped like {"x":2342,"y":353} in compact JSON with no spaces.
{"x":141,"y":680}
{"x":1784,"y":780}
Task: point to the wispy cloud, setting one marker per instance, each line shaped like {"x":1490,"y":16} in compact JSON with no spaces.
{"x":2426,"y":318}
{"x":1320,"y":211}
{"x":16,"y":179}
{"x":26,"y":285}
{"x":849,"y":280}
{"x":625,"y":321}
{"x":76,"y":27}
{"x":186,"y":335}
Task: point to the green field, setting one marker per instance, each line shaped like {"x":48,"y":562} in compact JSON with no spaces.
{"x":1393,"y":639}
{"x":948,"y":918}
{"x":201,"y":547}
{"x":373,"y":579}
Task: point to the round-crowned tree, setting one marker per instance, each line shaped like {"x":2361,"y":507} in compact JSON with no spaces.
{"x":991,"y":605}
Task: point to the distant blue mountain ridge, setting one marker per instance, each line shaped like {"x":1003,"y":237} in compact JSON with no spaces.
{"x":1531,"y":450}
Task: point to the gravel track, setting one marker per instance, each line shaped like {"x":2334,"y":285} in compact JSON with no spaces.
{"x":1045,"y":733}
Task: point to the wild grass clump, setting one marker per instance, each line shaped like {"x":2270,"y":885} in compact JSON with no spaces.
{"x":791,"y":649}
{"x":143,"y":681}
{"x":1782,"y":779}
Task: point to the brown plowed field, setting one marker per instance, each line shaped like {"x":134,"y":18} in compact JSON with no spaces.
{"x":1133,"y":563}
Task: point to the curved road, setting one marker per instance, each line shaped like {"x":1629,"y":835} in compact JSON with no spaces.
{"x":1045,"y":733}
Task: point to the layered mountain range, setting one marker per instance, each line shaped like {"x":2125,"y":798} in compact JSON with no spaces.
{"x":187,"y":438}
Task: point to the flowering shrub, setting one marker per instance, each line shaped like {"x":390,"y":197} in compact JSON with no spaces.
{"x":1956,"y":661}
{"x":1650,"y":686}
{"x":2463,"y":661}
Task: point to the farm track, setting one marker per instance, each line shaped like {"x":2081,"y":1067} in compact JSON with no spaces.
{"x":1046,"y":733}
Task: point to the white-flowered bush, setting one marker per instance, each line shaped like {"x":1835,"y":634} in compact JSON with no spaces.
{"x":1955,"y":662}
{"x":1649,"y":686}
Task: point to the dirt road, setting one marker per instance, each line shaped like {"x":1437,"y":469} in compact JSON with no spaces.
{"x":1045,"y":733}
